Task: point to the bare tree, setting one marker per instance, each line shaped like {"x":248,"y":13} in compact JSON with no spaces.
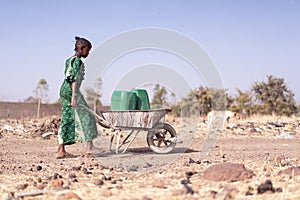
{"x":41,"y":94}
{"x":41,"y":91}
{"x":93,"y":95}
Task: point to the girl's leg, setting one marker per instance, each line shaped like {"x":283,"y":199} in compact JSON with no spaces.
{"x":61,"y":150}
{"x":89,"y":146}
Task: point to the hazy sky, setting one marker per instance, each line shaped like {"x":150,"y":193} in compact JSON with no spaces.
{"x":246,"y":40}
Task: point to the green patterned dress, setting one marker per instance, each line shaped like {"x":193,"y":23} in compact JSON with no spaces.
{"x":77,"y":124}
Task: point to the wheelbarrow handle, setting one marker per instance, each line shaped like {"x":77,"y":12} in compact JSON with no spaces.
{"x":100,"y":118}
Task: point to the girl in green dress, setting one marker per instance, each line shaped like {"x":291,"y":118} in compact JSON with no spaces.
{"x":77,"y":124}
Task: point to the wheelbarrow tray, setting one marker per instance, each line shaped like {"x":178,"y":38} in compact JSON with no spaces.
{"x":134,"y":119}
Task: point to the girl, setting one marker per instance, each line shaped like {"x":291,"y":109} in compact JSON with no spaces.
{"x":77,"y":124}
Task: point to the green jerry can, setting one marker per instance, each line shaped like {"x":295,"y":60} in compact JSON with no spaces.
{"x":142,"y":99}
{"x":123,"y":100}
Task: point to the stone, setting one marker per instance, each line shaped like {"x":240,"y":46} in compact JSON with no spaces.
{"x":72,"y":176}
{"x":227,"y":172}
{"x":69,"y":196}
{"x":98,"y":182}
{"x":22,"y":186}
{"x":39,"y":180}
{"x":56,"y":183}
{"x":291,"y":171}
{"x":106,"y":193}
{"x":40,"y":186}
{"x":39,"y":168}
{"x":158,"y":183}
{"x":264,"y":187}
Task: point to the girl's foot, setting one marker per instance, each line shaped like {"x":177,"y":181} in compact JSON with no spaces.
{"x":90,"y":148}
{"x":61,"y":155}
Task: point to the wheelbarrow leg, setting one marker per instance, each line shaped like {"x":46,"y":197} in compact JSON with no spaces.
{"x":118,"y":141}
{"x":125,"y":140}
{"x":111,"y":141}
{"x":130,"y":141}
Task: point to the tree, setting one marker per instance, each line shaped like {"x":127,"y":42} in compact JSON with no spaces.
{"x":242,"y":102}
{"x":159,"y":97}
{"x":93,"y":95}
{"x":274,"y":96}
{"x":41,"y":91}
{"x":203,"y":100}
{"x":41,"y":94}
{"x":189,"y":104}
{"x":220,"y":100}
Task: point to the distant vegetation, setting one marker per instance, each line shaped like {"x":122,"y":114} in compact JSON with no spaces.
{"x":270,"y":97}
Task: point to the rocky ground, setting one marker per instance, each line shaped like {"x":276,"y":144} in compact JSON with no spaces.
{"x":254,"y":158}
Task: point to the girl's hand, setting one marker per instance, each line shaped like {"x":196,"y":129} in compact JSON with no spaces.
{"x":73,"y":101}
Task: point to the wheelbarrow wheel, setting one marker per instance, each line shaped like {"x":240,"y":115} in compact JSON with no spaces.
{"x":162,"y":138}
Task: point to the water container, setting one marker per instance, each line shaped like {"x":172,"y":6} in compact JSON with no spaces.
{"x":123,"y":100}
{"x":130,"y":99}
{"x":142,"y":99}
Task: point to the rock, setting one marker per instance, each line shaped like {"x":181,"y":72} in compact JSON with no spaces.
{"x":281,"y":161}
{"x":267,"y":186}
{"x":107,"y":178}
{"x":98,"y":182}
{"x":56,"y":183}
{"x":40,"y":186}
{"x":158,"y":183}
{"x":285,"y":135}
{"x":69,"y":196}
{"x":55,"y":176}
{"x":213,"y":194}
{"x":22,"y":186}
{"x":133,"y":168}
{"x":147,"y":165}
{"x":29,"y":169}
{"x":291,"y":171}
{"x":39,"y":168}
{"x":249,"y":193}
{"x":185,"y":181}
{"x":229,"y":192}
{"x":76,"y":168}
{"x":227,"y":172}
{"x":188,"y":189}
{"x":74,"y":180}
{"x":85,"y":171}
{"x":189,"y":174}
{"x":50,"y":125}
{"x":72,"y":176}
{"x":106,"y":193}
{"x":47,"y":135}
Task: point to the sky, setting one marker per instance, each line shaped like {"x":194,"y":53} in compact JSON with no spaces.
{"x":245,"y":39}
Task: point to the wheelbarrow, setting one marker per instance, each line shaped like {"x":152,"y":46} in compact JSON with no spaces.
{"x":161,"y":136}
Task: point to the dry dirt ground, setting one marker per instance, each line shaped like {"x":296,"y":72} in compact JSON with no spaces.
{"x":266,"y":146}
